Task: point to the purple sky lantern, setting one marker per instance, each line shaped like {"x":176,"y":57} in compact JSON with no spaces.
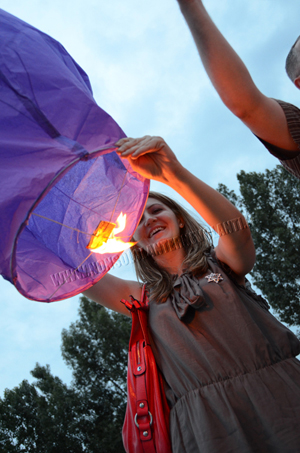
{"x":60,"y":176}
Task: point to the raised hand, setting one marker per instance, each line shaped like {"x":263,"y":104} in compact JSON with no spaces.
{"x":149,"y":156}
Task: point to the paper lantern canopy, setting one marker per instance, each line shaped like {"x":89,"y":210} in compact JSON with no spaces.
{"x":63,"y":185}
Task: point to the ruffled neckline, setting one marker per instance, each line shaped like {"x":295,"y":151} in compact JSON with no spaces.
{"x":186,"y":293}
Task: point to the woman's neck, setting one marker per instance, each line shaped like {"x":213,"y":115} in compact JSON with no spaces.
{"x":171,"y":261}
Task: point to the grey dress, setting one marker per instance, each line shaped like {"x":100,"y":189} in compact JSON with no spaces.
{"x":232,"y":379}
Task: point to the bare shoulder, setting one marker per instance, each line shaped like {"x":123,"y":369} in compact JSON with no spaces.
{"x":110,"y":290}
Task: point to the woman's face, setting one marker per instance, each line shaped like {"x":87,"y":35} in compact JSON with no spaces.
{"x":157,"y":224}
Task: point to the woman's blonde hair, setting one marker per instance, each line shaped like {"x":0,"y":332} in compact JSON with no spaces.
{"x":195,"y":240}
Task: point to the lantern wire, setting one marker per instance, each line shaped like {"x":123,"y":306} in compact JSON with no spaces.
{"x":65,"y":281}
{"x":62,"y":224}
{"x":122,"y":185}
{"x":67,"y":226}
{"x":76,"y":229}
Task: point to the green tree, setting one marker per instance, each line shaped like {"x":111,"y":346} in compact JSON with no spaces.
{"x":50,"y":417}
{"x":271,"y":203}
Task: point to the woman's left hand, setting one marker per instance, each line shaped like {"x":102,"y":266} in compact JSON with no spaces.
{"x":149,"y":156}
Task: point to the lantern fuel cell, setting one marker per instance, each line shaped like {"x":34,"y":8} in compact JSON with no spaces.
{"x":101,"y":234}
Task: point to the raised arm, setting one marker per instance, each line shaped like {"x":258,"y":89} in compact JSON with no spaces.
{"x":230,"y":77}
{"x":152,"y":157}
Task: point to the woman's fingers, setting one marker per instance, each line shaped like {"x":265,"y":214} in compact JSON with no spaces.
{"x":136,"y":151}
{"x":138,"y":147}
{"x":126,"y":143}
{"x":149,"y":156}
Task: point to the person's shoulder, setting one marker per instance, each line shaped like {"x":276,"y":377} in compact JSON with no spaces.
{"x":213,"y":257}
{"x":289,"y":159}
{"x":292,"y":115}
{"x":277,"y":124}
{"x":288,"y":107}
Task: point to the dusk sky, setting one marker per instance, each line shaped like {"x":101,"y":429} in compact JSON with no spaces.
{"x":146,"y":73}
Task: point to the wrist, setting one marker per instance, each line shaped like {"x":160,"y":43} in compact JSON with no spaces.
{"x":175,"y":175}
{"x":187,"y":4}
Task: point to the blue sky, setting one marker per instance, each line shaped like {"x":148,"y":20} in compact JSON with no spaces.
{"x":145,"y":72}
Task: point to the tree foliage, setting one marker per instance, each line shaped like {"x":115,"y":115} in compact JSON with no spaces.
{"x":271,"y":203}
{"x":87,"y":416}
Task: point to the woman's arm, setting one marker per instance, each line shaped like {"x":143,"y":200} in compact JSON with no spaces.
{"x":152,"y":157}
{"x":110,"y":290}
{"x":236,"y":249}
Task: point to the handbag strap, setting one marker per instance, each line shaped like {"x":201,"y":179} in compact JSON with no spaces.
{"x":143,"y":418}
{"x":139,"y":311}
{"x":143,"y":315}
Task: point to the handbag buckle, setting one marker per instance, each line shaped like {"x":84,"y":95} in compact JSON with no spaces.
{"x":136,"y":422}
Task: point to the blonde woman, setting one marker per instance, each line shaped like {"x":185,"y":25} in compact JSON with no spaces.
{"x":231,"y":377}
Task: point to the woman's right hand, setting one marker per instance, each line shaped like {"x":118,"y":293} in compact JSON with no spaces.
{"x":151,"y":157}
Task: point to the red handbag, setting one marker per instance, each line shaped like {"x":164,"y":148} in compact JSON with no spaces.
{"x":146,"y":425}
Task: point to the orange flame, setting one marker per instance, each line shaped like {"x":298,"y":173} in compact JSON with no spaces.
{"x":113,"y":244}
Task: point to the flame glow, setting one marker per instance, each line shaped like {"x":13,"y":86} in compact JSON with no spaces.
{"x":113,"y":244}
